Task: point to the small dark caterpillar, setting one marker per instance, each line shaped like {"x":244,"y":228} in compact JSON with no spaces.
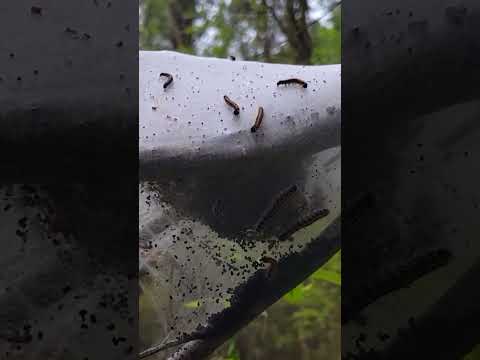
{"x":303,"y":222}
{"x":232,"y":58}
{"x":258,"y":120}
{"x":272,"y":210}
{"x":292,"y":81}
{"x":272,"y":265}
{"x":169,"y":81}
{"x":232,"y":104}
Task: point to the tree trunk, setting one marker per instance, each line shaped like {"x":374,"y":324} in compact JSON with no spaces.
{"x":181,"y":15}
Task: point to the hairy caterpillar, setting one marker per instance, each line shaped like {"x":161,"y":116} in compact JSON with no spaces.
{"x":292,"y":81}
{"x":303,"y":222}
{"x":271,"y":211}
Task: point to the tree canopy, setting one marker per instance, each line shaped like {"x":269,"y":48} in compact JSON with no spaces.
{"x":279,"y":31}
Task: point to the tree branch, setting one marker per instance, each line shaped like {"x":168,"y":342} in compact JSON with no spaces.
{"x":259,"y":292}
{"x":329,"y":11}
{"x":279,"y":21}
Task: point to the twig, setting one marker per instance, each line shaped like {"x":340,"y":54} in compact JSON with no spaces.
{"x":311,"y":23}
{"x":164,"y":346}
{"x":330,"y":10}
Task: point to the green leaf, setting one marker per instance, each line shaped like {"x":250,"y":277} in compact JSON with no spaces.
{"x":297,"y":294}
{"x":307,"y":313}
{"x":232,"y":353}
{"x":326,"y":275}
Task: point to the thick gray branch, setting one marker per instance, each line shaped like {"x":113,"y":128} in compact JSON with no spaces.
{"x":259,"y":292}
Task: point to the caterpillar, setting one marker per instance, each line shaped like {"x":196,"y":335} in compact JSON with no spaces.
{"x":232,"y":104}
{"x":303,"y":222}
{"x":169,"y":80}
{"x":277,"y":202}
{"x":268,"y":260}
{"x":292,"y":81}
{"x":258,"y":120}
{"x":272,"y":265}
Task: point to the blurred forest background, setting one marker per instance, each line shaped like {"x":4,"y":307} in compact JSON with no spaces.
{"x":274,"y":31}
{"x":305,"y":323}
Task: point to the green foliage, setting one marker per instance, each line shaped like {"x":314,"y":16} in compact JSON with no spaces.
{"x":474,"y":354}
{"x":154,"y":27}
{"x":313,"y":305}
{"x":330,"y":276}
{"x":297,"y":295}
{"x":224,"y":34}
{"x":244,"y":28}
{"x":232,"y":352}
{"x":327,"y":49}
{"x":304,"y":324}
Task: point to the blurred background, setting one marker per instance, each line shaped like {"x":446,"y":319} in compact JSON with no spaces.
{"x":305,"y":323}
{"x":274,"y":31}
